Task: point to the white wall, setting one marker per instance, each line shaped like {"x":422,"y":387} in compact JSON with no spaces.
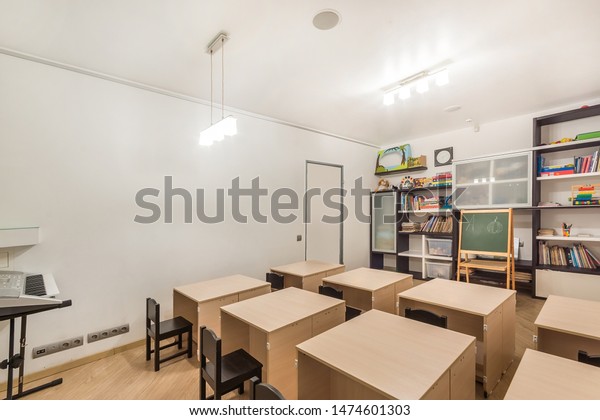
{"x":499,"y":137}
{"x":76,"y":149}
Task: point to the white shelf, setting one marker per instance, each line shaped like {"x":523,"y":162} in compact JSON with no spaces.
{"x":438,"y":257}
{"x":558,"y":146}
{"x":12,"y":237}
{"x":557,"y":177}
{"x":410,"y":254}
{"x":569,"y":238}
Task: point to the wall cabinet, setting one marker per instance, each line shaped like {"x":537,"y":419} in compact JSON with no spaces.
{"x":494,"y":182}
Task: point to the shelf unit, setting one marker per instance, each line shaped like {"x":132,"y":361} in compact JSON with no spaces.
{"x":13,"y":237}
{"x":414,"y":259}
{"x":401,"y":171}
{"x":400,"y":246}
{"x":584,"y":282}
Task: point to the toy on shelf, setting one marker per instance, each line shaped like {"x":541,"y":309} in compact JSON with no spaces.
{"x":585,"y":195}
{"x":383,"y":185}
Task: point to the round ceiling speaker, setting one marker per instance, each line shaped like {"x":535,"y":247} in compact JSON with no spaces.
{"x":326,"y":19}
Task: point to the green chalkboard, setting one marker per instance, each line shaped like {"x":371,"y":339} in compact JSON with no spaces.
{"x":485,"y":232}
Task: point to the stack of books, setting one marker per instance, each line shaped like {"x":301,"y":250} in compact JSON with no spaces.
{"x":438,"y":224}
{"x":442,"y":179}
{"x":432,"y":203}
{"x":577,"y":256}
{"x":554,"y":170}
{"x":584,"y":195}
{"x":411,"y":226}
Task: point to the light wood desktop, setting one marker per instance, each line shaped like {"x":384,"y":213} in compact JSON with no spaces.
{"x":200,"y":303}
{"x":270,"y":326}
{"x":566,"y":325}
{"x":307,"y":275}
{"x":543,"y":376}
{"x":485,"y":312}
{"x":383,"y":356}
{"x":367,"y":288}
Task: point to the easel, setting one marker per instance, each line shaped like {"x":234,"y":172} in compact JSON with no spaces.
{"x":507,"y":266}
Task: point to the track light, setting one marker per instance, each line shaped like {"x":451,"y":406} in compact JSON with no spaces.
{"x":227,"y":126}
{"x":420,"y":80}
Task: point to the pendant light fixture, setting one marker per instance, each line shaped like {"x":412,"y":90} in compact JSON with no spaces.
{"x":226,"y":126}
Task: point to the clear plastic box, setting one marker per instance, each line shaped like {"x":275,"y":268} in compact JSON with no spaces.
{"x":439,"y":247}
{"x":438,"y":269}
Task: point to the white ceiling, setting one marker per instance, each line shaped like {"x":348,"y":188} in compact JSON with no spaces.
{"x":509,"y":57}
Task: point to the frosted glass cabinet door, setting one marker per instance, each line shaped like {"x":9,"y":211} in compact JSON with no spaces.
{"x":495,"y":181}
{"x":383,"y":222}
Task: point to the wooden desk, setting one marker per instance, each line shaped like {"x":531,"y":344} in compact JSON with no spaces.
{"x":200,"y":303}
{"x":383,"y":356}
{"x":270,"y":326}
{"x":566,"y":325}
{"x":307,"y":275}
{"x":366,"y":288}
{"x":542,"y":376}
{"x":485,"y":312}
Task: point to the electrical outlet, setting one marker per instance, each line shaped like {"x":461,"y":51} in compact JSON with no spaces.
{"x":56,"y":347}
{"x":111,"y":332}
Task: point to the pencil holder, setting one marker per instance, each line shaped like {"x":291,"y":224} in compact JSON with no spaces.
{"x":566,"y":231}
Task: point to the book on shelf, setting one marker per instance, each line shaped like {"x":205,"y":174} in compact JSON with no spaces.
{"x":576,"y":256}
{"x":411,"y":226}
{"x":438,"y":224}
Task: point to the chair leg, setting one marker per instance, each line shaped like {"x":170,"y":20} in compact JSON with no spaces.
{"x":189,"y":339}
{"x":147,"y":347}
{"x":202,"y":387}
{"x":180,"y":342}
{"x":156,"y":354}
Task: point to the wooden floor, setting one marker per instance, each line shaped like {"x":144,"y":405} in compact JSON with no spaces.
{"x":127,"y":375}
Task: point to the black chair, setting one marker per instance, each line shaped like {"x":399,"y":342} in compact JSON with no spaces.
{"x":339,"y":294}
{"x":260,"y":391}
{"x":583,"y":357}
{"x":158,"y":331}
{"x":276,"y":281}
{"x":427,"y":317}
{"x":224,"y":373}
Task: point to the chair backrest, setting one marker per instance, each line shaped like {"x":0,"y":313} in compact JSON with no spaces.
{"x":153,"y":315}
{"x":583,"y":357}
{"x":260,"y":391}
{"x":276,"y":280}
{"x":427,"y":317}
{"x":331,"y":292}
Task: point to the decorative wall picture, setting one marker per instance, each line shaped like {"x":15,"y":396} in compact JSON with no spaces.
{"x":397,"y":159}
{"x":443,"y":157}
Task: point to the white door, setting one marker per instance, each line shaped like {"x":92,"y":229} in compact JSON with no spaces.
{"x":323,"y":204}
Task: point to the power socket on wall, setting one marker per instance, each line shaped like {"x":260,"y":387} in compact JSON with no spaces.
{"x":47,"y":349}
{"x":107,"y":333}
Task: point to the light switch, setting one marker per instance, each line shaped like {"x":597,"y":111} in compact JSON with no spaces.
{"x":3,"y":259}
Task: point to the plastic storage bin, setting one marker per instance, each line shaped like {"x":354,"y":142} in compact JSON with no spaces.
{"x":440,"y":247}
{"x":438,"y":269}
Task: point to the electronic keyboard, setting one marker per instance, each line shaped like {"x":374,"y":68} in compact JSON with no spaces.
{"x":27,"y":289}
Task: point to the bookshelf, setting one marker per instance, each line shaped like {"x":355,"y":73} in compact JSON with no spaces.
{"x":565,"y":280}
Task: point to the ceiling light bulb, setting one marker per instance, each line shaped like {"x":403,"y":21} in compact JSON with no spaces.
{"x":422,"y":86}
{"x":388,"y":98}
{"x":404,"y":92}
{"x":229,"y":126}
{"x":441,"y":78}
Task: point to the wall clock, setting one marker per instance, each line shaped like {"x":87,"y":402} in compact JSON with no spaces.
{"x":443,"y":157}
